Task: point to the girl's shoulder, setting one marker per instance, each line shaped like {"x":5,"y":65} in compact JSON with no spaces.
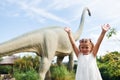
{"x":92,"y":56}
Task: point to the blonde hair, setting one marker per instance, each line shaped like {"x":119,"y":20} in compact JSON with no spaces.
{"x":87,"y":41}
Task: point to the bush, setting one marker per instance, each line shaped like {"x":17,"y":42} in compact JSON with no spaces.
{"x":27,"y":68}
{"x":29,"y":75}
{"x":4,"y":69}
{"x":109,"y":66}
{"x":27,"y":63}
{"x":61,"y":73}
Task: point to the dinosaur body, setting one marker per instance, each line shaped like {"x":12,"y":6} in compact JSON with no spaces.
{"x":35,"y":42}
{"x":46,"y":43}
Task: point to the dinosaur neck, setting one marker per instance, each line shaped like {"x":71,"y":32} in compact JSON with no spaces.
{"x":80,"y":29}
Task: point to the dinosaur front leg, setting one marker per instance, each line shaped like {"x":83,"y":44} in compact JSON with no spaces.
{"x":59,"y":60}
{"x":71,"y":62}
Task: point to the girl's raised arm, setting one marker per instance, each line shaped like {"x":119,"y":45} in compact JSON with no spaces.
{"x":75,"y":48}
{"x":105,"y":28}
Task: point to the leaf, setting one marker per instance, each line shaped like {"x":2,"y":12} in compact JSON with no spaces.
{"x":111,"y":32}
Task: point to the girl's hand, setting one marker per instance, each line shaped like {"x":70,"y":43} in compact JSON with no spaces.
{"x":105,"y":27}
{"x":67,"y":29}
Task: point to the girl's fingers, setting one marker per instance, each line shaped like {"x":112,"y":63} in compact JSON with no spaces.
{"x":67,"y":29}
{"x":106,"y":27}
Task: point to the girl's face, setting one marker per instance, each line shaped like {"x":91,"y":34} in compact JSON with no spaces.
{"x":85,"y":48}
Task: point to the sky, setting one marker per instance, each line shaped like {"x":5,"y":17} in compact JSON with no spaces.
{"x":18,"y":17}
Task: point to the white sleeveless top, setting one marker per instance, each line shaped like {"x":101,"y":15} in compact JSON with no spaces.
{"x":87,"y":68}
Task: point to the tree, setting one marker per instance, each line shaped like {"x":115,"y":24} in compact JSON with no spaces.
{"x":109,"y":66}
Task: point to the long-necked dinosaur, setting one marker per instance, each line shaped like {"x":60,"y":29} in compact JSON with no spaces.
{"x":46,"y":43}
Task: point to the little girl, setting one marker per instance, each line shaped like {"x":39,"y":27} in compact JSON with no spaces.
{"x":86,"y":53}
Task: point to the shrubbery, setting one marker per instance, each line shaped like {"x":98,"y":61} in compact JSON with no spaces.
{"x":109,"y":66}
{"x":5,"y":69}
{"x":27,"y":68}
{"x":28,"y":75}
{"x":61,"y":73}
{"x":27,"y":63}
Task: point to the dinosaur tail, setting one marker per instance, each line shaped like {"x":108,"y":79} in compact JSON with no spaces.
{"x":80,"y":29}
{"x":22,"y":44}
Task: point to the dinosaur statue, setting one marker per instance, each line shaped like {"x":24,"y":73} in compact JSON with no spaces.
{"x":46,"y":43}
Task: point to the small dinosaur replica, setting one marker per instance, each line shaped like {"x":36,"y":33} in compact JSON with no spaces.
{"x":47,"y":43}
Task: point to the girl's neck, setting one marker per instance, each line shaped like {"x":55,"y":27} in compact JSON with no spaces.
{"x":85,"y":53}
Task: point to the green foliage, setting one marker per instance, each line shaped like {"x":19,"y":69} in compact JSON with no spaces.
{"x":5,"y":69}
{"x":109,"y":66}
{"x":26,"y":68}
{"x":27,"y":63}
{"x":111,"y":32}
{"x":29,"y":75}
{"x":61,"y":73}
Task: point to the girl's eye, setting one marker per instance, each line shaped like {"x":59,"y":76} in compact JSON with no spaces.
{"x":82,"y":47}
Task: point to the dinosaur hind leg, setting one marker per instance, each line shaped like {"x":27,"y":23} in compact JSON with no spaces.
{"x":44,"y":67}
{"x":48,"y":54}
